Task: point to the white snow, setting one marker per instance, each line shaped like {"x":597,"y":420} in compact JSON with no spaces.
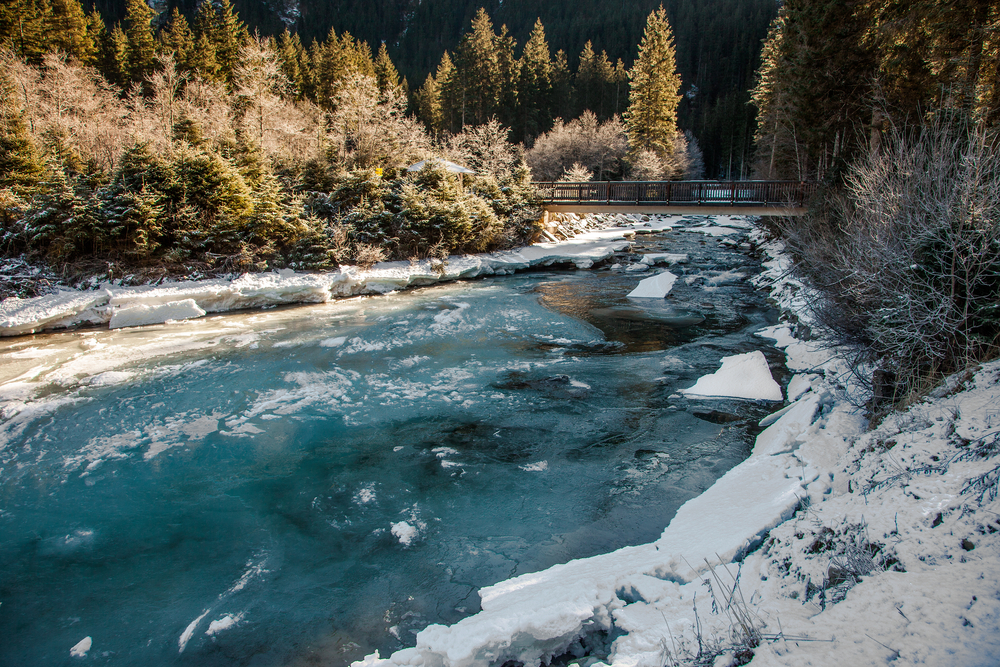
{"x":741,"y":376}
{"x":81,"y":648}
{"x":154,"y":304}
{"x":142,"y":314}
{"x":404,"y":532}
{"x":654,"y":287}
{"x":222,"y":624}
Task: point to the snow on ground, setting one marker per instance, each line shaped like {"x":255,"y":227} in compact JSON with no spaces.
{"x":598,"y":239}
{"x":829,"y":545}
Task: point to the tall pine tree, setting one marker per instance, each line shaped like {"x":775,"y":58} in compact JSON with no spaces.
{"x":534,"y":87}
{"x":651,"y":119}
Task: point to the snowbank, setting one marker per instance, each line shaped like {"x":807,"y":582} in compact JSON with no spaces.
{"x":600,"y":238}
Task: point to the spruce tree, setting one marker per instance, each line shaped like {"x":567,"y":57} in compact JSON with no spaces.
{"x":478,"y":71}
{"x":229,"y":35}
{"x":562,"y":86}
{"x":291,"y":54}
{"x":67,"y":27}
{"x":141,"y":54}
{"x":428,"y":103}
{"x":651,"y":119}
{"x":112,"y":57}
{"x":385,"y":72}
{"x":204,"y":58}
{"x":177,"y":38}
{"x":24,"y":27}
{"x":535,"y":86}
{"x":20,"y":164}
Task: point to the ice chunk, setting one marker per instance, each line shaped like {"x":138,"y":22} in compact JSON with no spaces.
{"x":654,"y":287}
{"x":404,"y":532}
{"x":139,"y":315}
{"x":741,"y":376}
{"x":82,"y":648}
{"x":223,"y":623}
{"x":185,"y":637}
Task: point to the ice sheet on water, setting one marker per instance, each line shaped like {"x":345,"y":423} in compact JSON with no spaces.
{"x":741,"y":376}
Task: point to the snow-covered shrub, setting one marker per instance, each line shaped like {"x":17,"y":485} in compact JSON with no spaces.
{"x":910,"y":253}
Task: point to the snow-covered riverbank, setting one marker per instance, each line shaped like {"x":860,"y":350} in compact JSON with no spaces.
{"x":829,"y":545}
{"x":594,"y":239}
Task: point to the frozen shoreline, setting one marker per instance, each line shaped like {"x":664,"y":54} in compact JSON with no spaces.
{"x":840,"y":546}
{"x":596,"y":239}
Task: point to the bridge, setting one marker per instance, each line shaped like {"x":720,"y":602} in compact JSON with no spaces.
{"x":678,"y":197}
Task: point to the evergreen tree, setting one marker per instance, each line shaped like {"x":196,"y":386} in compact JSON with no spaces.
{"x":141,"y":53}
{"x":20,"y":163}
{"x":112,"y":57}
{"x":24,"y":27}
{"x":293,"y":61}
{"x":229,"y":35}
{"x":652,"y":113}
{"x":509,"y":71}
{"x":562,"y":86}
{"x":814,"y":90}
{"x":477,"y":72}
{"x":535,"y":86}
{"x":177,"y":38}
{"x":204,"y":57}
{"x":451,"y":92}
{"x":595,"y":81}
{"x":428,"y":103}
{"x":67,"y":27}
{"x":385,"y":72}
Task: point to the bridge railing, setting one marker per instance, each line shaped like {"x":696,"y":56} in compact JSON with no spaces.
{"x":686,"y":193}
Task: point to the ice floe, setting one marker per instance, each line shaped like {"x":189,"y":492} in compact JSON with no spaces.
{"x":741,"y":376}
{"x":81,"y":648}
{"x":654,"y":287}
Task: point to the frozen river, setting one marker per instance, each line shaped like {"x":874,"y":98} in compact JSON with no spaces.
{"x":305,"y":485}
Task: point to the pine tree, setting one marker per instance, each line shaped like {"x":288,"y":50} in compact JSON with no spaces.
{"x":229,"y":36}
{"x":67,"y":26}
{"x":652,"y":113}
{"x":292,"y":57}
{"x":141,"y":59}
{"x":478,"y":72}
{"x":595,"y":82}
{"x":428,"y":102}
{"x":562,"y":86}
{"x":385,"y":72}
{"x":20,"y":164}
{"x":535,"y":86}
{"x":204,"y":58}
{"x":24,"y":27}
{"x":509,"y":70}
{"x":112,"y":57}
{"x":177,"y":38}
{"x":451,"y":91}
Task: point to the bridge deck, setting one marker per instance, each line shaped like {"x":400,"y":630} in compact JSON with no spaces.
{"x":679,"y":197}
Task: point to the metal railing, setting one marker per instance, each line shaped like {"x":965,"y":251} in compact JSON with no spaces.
{"x":683,"y":193}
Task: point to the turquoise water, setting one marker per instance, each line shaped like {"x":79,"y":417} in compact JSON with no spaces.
{"x":305,"y":485}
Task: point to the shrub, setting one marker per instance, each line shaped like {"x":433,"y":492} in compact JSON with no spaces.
{"x":909,"y":253}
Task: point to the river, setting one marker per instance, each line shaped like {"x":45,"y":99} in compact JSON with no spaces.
{"x":304,"y":485}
